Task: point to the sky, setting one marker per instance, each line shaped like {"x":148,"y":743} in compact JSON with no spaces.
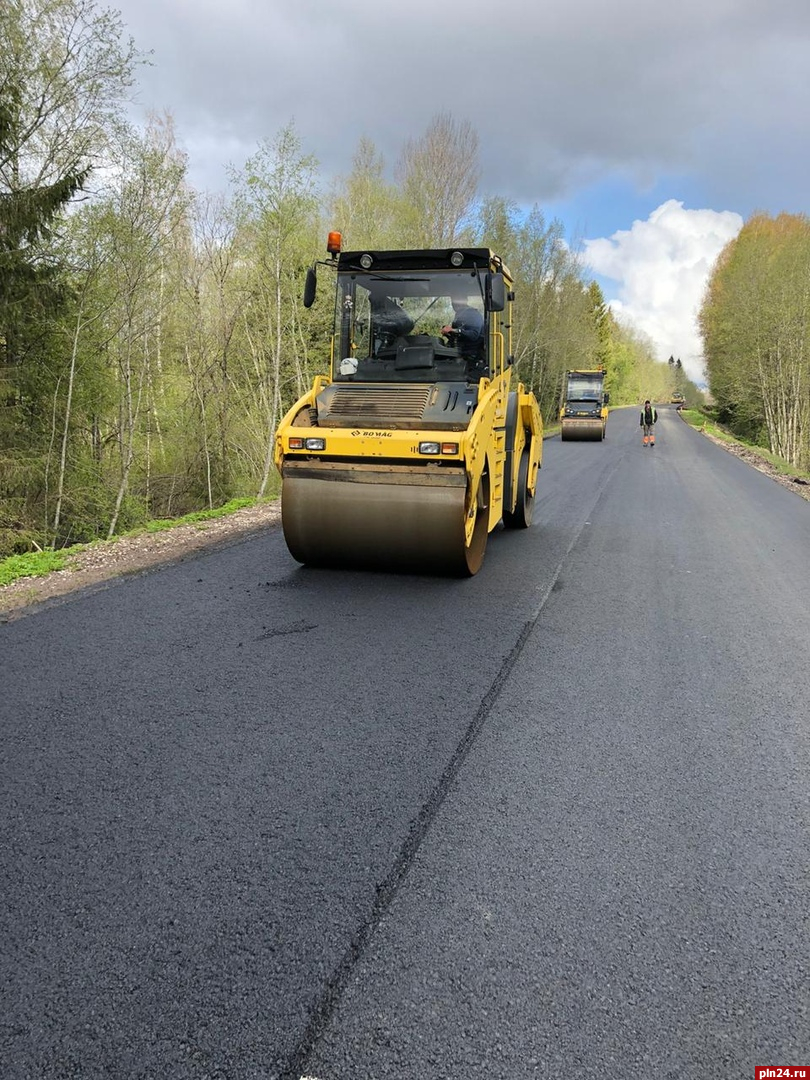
{"x":650,"y":130}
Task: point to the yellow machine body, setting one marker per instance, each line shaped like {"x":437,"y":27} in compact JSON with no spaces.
{"x":417,"y":445}
{"x":584,"y":410}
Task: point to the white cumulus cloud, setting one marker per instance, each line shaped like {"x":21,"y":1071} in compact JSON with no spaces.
{"x":661,"y":267}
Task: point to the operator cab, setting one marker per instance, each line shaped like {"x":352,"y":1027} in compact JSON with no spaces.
{"x":419,"y":317}
{"x":405,"y":328}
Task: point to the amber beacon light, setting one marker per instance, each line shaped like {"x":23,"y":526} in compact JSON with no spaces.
{"x":334,"y":242}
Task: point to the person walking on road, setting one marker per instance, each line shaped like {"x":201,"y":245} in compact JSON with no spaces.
{"x":647,"y":421}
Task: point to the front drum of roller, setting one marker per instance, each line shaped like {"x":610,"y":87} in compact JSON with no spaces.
{"x":582,"y":430}
{"x":368,"y":523}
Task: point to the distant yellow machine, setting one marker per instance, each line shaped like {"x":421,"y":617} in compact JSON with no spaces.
{"x":417,"y":444}
{"x":677,"y":398}
{"x":584,"y":411}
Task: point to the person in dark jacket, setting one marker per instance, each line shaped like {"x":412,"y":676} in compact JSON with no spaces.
{"x":466,"y":332}
{"x":648,"y":419}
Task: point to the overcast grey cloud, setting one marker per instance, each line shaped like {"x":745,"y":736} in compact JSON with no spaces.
{"x":561,"y":92}
{"x":602,"y":112}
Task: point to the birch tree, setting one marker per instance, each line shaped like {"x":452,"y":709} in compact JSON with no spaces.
{"x":438,"y":175}
{"x":755,"y":322}
{"x":214,"y":299}
{"x":278,"y":217}
{"x":364,"y":207}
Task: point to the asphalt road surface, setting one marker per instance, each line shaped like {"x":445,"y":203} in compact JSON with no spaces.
{"x":265,"y":822}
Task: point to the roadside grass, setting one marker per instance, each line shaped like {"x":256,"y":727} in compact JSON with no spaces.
{"x":160,"y":524}
{"x":38,"y":563}
{"x":700,"y":420}
{"x":31,"y":564}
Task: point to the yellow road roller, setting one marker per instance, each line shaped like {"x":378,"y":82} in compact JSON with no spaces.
{"x":417,"y":444}
{"x":584,"y":412}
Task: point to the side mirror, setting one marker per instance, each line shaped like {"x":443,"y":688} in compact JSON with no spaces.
{"x":496,"y":292}
{"x":310,"y":286}
{"x":606,"y":399}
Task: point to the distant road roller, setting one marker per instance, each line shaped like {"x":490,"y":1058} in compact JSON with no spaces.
{"x":584,"y":411}
{"x":417,"y":444}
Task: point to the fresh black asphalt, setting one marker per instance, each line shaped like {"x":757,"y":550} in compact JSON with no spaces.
{"x":260,"y":821}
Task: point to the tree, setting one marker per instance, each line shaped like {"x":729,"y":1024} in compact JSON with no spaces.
{"x":63,"y":76}
{"x":438,"y":174}
{"x":278,"y":215}
{"x":121,"y":246}
{"x":364,"y":207}
{"x":66,"y":72}
{"x":600,"y":314}
{"x":212,"y":302}
{"x":150,"y":207}
{"x":755,"y":321}
{"x":497,"y":226}
{"x":29,"y":278}
{"x":554,"y":330}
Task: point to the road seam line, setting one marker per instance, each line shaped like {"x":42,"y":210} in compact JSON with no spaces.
{"x":388,"y":889}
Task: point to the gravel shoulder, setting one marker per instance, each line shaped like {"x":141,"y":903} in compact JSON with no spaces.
{"x":102,"y":562}
{"x":796,"y":484}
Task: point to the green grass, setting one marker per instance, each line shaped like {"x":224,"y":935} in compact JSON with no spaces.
{"x":781,"y":466}
{"x":698,"y":419}
{"x":32,"y":564}
{"x":160,"y":524}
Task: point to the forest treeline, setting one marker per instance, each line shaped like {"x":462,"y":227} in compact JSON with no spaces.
{"x":151,"y":336}
{"x":755,"y":322}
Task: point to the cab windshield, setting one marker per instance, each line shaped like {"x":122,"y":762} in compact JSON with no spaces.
{"x":584,"y":388}
{"x":410,"y":327}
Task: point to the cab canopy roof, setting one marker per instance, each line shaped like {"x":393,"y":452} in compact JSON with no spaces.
{"x":418,"y":259}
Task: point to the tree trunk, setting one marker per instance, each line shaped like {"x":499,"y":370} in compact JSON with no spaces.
{"x":60,"y":489}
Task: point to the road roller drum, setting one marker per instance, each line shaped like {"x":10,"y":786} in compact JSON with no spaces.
{"x":591,"y":430}
{"x":363,"y":519}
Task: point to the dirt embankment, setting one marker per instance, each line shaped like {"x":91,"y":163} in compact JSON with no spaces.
{"x":795,"y":483}
{"x":131,"y":554}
